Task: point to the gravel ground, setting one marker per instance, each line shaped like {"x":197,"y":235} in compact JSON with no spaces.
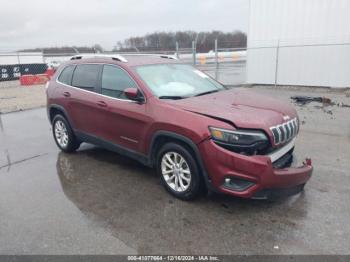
{"x":14,"y":97}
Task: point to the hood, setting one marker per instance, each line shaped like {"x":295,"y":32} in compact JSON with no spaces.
{"x":242,"y":108}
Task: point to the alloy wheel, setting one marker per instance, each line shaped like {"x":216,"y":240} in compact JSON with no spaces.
{"x":61,"y":133}
{"x":176,"y":172}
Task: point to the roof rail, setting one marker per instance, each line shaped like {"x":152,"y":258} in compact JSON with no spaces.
{"x":159,"y":55}
{"x":114,"y":57}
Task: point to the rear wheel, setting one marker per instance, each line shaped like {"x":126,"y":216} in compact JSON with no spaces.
{"x":178,"y":171}
{"x":63,"y":134}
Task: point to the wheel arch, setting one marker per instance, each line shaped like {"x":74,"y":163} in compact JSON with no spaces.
{"x":57,"y":109}
{"x":162,"y":137}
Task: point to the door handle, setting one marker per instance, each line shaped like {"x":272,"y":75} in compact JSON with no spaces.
{"x":101,"y":104}
{"x":66,"y":94}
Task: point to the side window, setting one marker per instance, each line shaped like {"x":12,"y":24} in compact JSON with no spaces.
{"x":114,"y":81}
{"x":86,"y":76}
{"x":66,"y":75}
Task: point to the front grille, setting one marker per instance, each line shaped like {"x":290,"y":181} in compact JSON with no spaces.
{"x":284,"y":132}
{"x":284,"y":161}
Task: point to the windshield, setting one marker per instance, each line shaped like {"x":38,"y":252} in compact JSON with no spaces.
{"x":176,"y":81}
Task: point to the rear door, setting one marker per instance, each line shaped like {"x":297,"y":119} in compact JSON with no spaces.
{"x":84,"y":106}
{"x":63,"y":89}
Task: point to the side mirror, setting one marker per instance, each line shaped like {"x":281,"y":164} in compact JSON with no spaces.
{"x":133,"y":94}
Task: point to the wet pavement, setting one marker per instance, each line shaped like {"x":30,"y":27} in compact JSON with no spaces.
{"x":98,"y":202}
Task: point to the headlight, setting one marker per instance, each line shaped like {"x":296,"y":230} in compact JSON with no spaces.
{"x":247,"y":142}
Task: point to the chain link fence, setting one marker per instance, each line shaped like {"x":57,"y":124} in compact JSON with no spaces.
{"x":307,"y":65}
{"x":227,"y":65}
{"x":13,"y":65}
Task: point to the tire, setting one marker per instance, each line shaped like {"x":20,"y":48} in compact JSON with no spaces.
{"x":63,"y":134}
{"x":185,"y":181}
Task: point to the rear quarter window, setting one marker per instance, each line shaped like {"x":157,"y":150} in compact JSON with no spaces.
{"x":66,"y":75}
{"x":86,"y":76}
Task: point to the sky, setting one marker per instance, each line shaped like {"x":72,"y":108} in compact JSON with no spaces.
{"x":43,"y":23}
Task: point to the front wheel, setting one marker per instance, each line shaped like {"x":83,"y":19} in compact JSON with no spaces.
{"x":178,"y":171}
{"x":63,"y":134}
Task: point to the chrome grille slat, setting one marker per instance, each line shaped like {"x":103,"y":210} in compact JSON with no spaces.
{"x":291,"y":128}
{"x":284,"y":132}
{"x":275,"y":134}
{"x":279,"y":134}
{"x":294,"y":127}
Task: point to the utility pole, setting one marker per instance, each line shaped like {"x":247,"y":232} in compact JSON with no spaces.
{"x":216,"y":59}
{"x":277,"y":55}
{"x":177,"y":49}
{"x":194,"y":52}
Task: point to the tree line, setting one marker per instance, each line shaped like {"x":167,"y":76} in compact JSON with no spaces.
{"x":160,"y":41}
{"x":166,"y":41}
{"x":66,"y":49}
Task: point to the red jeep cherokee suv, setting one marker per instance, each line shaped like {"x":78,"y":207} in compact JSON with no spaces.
{"x":196,"y":132}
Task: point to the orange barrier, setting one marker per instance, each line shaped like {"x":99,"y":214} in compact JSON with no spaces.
{"x":41,"y":79}
{"x":50,"y":72}
{"x":202,"y":60}
{"x":27,"y":80}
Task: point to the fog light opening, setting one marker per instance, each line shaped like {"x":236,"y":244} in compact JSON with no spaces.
{"x":237,"y":184}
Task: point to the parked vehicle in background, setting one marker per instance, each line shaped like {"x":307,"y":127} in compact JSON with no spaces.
{"x":194,"y":131}
{"x":53,"y":64}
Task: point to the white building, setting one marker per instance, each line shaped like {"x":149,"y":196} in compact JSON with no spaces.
{"x":313,"y":38}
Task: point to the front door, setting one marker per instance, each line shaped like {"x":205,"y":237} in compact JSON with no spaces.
{"x":126,"y":121}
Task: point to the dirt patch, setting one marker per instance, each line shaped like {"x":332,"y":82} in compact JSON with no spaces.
{"x":17,"y":98}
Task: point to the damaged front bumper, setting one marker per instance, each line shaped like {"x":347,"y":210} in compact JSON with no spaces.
{"x":259,"y":176}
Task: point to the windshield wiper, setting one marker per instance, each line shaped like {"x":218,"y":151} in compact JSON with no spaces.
{"x":208,"y":92}
{"x":171,"y":97}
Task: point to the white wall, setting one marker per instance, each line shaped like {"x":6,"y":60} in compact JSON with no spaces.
{"x":314,"y":40}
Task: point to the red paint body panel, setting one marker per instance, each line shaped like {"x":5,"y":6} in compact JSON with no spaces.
{"x":245,"y":109}
{"x":133,"y":125}
{"x":222,"y":163}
